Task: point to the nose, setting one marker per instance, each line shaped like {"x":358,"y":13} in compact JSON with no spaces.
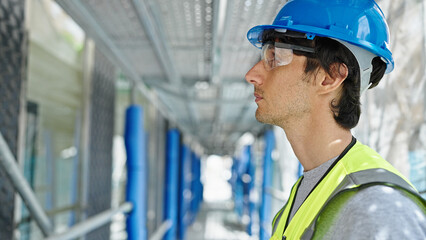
{"x":254,"y":75}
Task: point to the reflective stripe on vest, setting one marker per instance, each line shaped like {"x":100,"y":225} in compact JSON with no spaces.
{"x":348,"y":173}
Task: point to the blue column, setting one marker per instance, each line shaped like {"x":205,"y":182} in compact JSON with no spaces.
{"x":265,"y":208}
{"x":234,"y":173}
{"x":172,"y":180}
{"x":244,"y":186}
{"x":239,"y":198}
{"x":237,"y":186}
{"x":194,"y":187}
{"x":251,"y":205}
{"x":199,"y":185}
{"x":184,"y":190}
{"x":75,"y":170}
{"x":136,"y":189}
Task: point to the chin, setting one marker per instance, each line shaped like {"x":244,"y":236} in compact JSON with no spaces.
{"x":261,"y":117}
{"x":267,"y":118}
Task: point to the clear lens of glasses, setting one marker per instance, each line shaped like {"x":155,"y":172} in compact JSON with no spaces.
{"x":275,"y":57}
{"x":275,"y":54}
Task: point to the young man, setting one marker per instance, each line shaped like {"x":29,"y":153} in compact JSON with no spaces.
{"x":317,"y":58}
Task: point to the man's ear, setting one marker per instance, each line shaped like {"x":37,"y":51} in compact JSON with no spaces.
{"x":332,"y":81}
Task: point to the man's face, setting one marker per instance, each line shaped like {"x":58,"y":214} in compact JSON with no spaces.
{"x":282,"y":93}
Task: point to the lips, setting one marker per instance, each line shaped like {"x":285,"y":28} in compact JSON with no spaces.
{"x":257,"y":97}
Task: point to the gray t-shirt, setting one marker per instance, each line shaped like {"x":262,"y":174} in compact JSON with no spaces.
{"x":377,"y":212}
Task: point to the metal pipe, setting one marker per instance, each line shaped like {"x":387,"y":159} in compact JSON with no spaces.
{"x":88,"y":62}
{"x":92,"y":223}
{"x":10,"y":166}
{"x":277,"y":194}
{"x":162,"y":230}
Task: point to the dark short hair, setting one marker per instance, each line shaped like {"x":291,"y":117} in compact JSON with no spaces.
{"x":347,"y":109}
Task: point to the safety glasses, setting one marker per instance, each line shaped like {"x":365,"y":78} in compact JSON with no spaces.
{"x":275,"y":54}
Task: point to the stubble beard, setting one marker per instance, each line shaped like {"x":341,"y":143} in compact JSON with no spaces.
{"x":265,"y":117}
{"x":282,"y":118}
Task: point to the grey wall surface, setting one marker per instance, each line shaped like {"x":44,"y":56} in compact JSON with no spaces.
{"x":101,"y":141}
{"x":13,"y":56}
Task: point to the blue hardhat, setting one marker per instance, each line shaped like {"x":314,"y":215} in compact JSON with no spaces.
{"x":358,"y":22}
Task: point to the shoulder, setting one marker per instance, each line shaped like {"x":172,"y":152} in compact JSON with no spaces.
{"x":382,"y":201}
{"x":378,"y":212}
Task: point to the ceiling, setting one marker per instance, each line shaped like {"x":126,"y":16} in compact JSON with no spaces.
{"x":188,"y":56}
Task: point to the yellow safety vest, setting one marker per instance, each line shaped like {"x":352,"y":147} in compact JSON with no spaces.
{"x":359,"y":167}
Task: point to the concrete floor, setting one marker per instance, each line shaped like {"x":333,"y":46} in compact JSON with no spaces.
{"x":217,"y":221}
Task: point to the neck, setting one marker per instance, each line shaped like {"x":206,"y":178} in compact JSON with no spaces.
{"x":315,"y":141}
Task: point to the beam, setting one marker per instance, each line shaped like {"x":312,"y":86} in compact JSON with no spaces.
{"x":161,"y":231}
{"x":10,"y":166}
{"x":158,"y":39}
{"x":220,"y":7}
{"x":92,"y":223}
{"x":161,"y":48}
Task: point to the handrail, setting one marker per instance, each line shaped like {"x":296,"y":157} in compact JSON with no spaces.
{"x":10,"y":166}
{"x":162,"y":230}
{"x":92,"y":223}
